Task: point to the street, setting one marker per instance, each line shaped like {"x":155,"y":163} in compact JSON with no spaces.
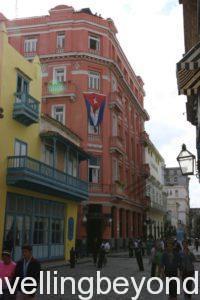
{"x":116,"y":267}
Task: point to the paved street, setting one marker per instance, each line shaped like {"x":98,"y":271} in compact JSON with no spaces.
{"x":117,"y":266}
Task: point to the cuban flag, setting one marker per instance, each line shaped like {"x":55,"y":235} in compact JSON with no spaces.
{"x":95,"y":108}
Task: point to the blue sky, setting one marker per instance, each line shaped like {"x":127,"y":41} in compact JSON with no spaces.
{"x":151,"y":34}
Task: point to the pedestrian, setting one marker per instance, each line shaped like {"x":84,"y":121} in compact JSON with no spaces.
{"x":72,"y":259}
{"x":130,"y":248}
{"x":187,"y":267}
{"x":141,"y":244}
{"x":95,"y":251}
{"x":158,"y":259}
{"x":138,"y":255}
{"x":7,"y":269}
{"x":152,"y":261}
{"x":149,"y":245}
{"x":107,"y":251}
{"x":170,"y":264}
{"x":196,"y":243}
{"x":101,"y":257}
{"x":28,"y":266}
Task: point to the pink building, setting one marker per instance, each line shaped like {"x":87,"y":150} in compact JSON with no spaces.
{"x":90,"y":87}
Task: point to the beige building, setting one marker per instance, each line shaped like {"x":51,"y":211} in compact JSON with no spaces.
{"x":155,"y":191}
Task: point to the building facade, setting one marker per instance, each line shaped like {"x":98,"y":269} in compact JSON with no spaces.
{"x":188,"y":67}
{"x":39,"y":197}
{"x":89,"y":86}
{"x":178,"y":200}
{"x":155,"y":191}
{"x":194,"y":230}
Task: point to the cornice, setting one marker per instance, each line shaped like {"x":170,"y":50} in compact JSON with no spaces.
{"x":101,"y":60}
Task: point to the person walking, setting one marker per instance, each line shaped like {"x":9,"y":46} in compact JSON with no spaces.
{"x":152,"y":261}
{"x":196,"y":243}
{"x":95,"y":251}
{"x":170,"y":264}
{"x":28,"y":266}
{"x":101,"y":257}
{"x":149,"y":245}
{"x":7,"y":269}
{"x":138,"y":255}
{"x":107,"y":251}
{"x":187,"y":267}
{"x":72,"y":259}
{"x":130,"y":247}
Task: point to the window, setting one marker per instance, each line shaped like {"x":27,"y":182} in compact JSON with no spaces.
{"x":175,"y":179}
{"x":114,"y":84}
{"x":20,"y":148}
{"x":60,"y":40}
{"x":48,"y":155}
{"x":22,"y":85}
{"x":93,"y":130}
{"x":59,"y":74}
{"x":94,"y":43}
{"x":116,"y":170}
{"x":40,"y":233}
{"x":94,"y":80}
{"x":58,"y":113}
{"x":30,"y":45}
{"x":114,"y":125}
{"x":72,"y":164}
{"x":176,"y":193}
{"x":57,"y":230}
{"x":94,"y":170}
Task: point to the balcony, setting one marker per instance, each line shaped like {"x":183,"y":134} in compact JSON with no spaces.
{"x":28,"y":173}
{"x":60,"y":50}
{"x":117,"y":145}
{"x":115,"y":102}
{"x":118,"y":190}
{"x":64,"y":89}
{"x":26,"y":109}
{"x":157,"y":206}
{"x":144,"y":138}
{"x":30,"y":54}
{"x":99,"y":188}
{"x":146,"y":171}
{"x":95,"y":138}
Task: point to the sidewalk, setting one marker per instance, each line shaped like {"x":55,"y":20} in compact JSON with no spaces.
{"x":60,"y":263}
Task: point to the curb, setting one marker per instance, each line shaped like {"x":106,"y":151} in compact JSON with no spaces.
{"x":66,"y":264}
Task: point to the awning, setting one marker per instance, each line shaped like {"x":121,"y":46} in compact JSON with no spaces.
{"x":83,"y":155}
{"x":188,"y":72}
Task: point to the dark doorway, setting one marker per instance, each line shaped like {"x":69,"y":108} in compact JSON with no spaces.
{"x":94,"y":225}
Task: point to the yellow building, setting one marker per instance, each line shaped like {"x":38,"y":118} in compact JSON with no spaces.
{"x":40,"y":188}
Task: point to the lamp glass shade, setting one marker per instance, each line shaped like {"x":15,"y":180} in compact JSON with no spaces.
{"x":186,"y":161}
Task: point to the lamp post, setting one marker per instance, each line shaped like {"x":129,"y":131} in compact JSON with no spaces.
{"x":186,"y":161}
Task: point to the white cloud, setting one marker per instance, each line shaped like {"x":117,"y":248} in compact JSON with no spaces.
{"x":151,"y":34}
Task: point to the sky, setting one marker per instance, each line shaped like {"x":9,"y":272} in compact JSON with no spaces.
{"x":151,"y":35}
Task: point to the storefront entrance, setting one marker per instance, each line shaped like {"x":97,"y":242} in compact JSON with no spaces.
{"x":37,"y":222}
{"x":94,"y":225}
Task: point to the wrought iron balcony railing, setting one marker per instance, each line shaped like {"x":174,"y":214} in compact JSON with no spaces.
{"x":29,"y":173}
{"x":26,"y":109}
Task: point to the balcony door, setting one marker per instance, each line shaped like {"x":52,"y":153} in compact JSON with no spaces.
{"x":20,"y":150}
{"x":17,"y":233}
{"x":22,"y":88}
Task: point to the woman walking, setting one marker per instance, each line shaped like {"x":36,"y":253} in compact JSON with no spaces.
{"x":187,"y":267}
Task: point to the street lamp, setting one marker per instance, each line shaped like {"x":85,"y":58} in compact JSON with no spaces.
{"x":186,"y":161}
{"x":84,"y":219}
